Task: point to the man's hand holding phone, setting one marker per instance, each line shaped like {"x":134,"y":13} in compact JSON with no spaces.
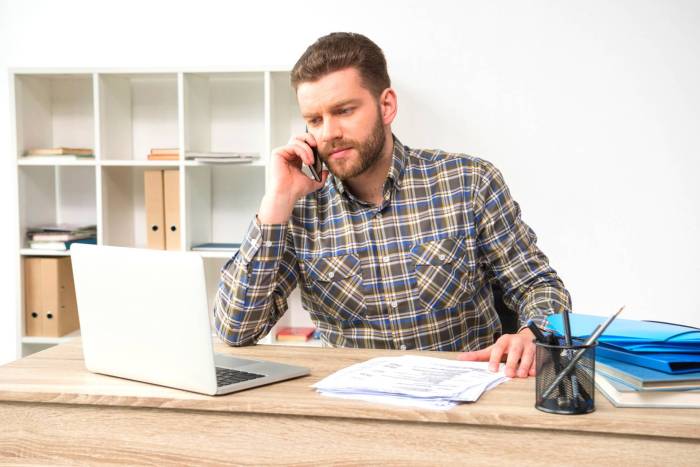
{"x":287,"y":183}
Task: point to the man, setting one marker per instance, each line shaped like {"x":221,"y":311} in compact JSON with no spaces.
{"x":397,"y":246}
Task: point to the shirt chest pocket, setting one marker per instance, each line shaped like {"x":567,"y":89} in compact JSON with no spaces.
{"x":444,"y":272}
{"x":337,"y":289}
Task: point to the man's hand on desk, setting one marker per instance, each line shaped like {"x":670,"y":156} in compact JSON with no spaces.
{"x":519,"y":349}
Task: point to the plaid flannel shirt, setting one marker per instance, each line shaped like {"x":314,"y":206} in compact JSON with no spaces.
{"x":412,"y":273}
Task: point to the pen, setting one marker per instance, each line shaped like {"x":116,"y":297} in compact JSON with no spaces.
{"x":556,"y":359}
{"x":567,"y":340}
{"x":597,"y":332}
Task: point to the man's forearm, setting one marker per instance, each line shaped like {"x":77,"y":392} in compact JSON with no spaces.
{"x":254,"y":286}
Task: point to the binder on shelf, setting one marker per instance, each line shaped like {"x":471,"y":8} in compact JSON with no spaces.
{"x":171,"y":196}
{"x":32,"y":297}
{"x":51,"y":309}
{"x":153,"y":197}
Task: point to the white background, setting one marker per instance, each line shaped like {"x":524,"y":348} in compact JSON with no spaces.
{"x":590,"y":109}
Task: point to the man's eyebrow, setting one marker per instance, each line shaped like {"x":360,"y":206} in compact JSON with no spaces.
{"x":334,"y":106}
{"x":346,"y":102}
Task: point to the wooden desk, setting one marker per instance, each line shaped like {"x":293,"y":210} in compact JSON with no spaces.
{"x":54,"y":411}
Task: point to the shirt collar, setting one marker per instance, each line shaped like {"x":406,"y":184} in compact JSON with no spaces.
{"x":398,"y":163}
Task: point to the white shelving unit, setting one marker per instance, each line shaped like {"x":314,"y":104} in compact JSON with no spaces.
{"x":122,"y":115}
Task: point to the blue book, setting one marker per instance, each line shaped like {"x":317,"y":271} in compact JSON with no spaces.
{"x":89,"y":241}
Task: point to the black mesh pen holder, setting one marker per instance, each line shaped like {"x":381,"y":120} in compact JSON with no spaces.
{"x":565,"y":387}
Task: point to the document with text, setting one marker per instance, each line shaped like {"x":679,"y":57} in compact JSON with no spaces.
{"x":409,"y":380}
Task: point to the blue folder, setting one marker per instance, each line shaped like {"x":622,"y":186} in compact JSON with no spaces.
{"x":666,"y":347}
{"x":672,"y":363}
{"x":625,"y":332}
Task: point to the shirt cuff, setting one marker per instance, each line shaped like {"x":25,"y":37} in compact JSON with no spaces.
{"x":263,"y":241}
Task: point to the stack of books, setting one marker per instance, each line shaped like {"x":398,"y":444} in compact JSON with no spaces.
{"x":223,"y":157}
{"x":170,"y":154}
{"x":221,"y":247}
{"x":60,"y":237}
{"x":643,"y":363}
{"x":61,"y":153}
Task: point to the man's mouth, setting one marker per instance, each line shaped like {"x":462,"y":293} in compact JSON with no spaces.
{"x":338,"y":152}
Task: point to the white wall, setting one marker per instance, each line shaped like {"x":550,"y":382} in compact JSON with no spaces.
{"x":590,"y":109}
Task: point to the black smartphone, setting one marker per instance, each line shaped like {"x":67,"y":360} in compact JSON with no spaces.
{"x":317,"y":167}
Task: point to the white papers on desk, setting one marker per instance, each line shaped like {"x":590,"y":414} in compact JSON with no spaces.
{"x":415,"y":381}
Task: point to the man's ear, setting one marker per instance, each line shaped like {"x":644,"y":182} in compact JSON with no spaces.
{"x":388,"y":106}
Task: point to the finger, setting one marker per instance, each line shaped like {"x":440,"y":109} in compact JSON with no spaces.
{"x":295,"y":151}
{"x":476,"y":355}
{"x":306,"y":138}
{"x":515,"y":351}
{"x":526,"y":360}
{"x":533,"y":368}
{"x":497,"y":352}
{"x":304,"y":152}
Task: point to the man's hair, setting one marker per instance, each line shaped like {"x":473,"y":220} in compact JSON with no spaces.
{"x":340,"y":50}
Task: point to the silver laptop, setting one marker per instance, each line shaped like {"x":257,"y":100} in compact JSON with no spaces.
{"x":143,"y":316}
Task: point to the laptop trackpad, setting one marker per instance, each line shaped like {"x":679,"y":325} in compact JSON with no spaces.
{"x":227,"y":361}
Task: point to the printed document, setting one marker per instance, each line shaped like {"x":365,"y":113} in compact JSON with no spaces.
{"x":409,"y":380}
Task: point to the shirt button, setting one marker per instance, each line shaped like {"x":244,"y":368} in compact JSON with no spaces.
{"x":442,"y":257}
{"x":379,"y":215}
{"x":268,"y":243}
{"x":331,"y":274}
{"x":386,"y":259}
{"x":394,"y":304}
{"x":403,"y":347}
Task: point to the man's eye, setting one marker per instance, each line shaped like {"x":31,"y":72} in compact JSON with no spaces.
{"x":345,"y":110}
{"x":314,"y":121}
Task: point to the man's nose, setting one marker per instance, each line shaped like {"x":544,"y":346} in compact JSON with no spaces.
{"x":331,"y":130}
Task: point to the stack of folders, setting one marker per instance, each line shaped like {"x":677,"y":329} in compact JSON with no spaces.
{"x":643,"y":363}
{"x":412,"y":381}
{"x":223,"y":157}
{"x":60,"y":237}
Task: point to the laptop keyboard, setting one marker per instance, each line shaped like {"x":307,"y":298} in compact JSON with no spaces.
{"x":226,"y":376}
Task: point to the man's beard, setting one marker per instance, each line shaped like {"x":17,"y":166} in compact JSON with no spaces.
{"x":370,"y":151}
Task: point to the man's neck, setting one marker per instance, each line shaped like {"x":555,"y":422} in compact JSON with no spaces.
{"x":369,"y":186}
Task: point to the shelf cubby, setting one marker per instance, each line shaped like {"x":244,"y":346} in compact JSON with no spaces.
{"x":54,"y":110}
{"x":123,"y":201}
{"x":56,"y":195}
{"x":222,"y":200}
{"x":225,"y":112}
{"x":138,"y":112}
